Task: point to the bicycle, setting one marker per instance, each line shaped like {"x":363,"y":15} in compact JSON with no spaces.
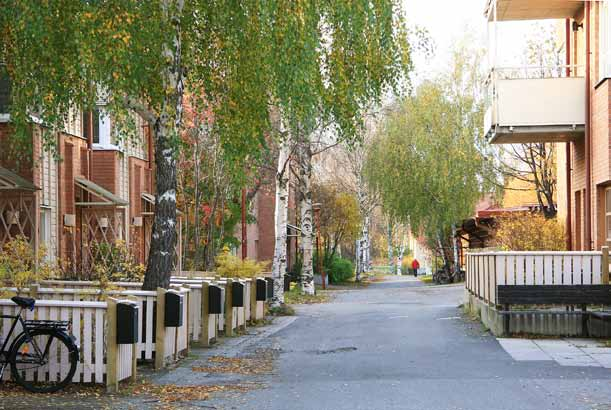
{"x":33,"y":353}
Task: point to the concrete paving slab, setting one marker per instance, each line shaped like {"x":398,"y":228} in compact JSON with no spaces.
{"x":523,"y":350}
{"x":603,"y":359}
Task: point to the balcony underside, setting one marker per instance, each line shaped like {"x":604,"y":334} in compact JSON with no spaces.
{"x":532,"y":134}
{"x":510,"y":10}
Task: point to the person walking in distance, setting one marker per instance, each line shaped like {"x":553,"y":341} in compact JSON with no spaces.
{"x":415,"y":267}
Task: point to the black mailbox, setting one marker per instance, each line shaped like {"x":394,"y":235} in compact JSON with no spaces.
{"x":214,"y":300}
{"x":270,"y":287}
{"x":261,"y":290}
{"x":287,"y":283}
{"x":173,"y":309}
{"x":237,"y":294}
{"x":127,"y":323}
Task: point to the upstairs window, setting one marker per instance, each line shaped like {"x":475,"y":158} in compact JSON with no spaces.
{"x":87,"y":117}
{"x":5,"y":91}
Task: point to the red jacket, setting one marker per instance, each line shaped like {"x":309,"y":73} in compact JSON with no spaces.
{"x":415,"y":264}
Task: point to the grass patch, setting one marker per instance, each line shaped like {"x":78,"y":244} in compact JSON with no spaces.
{"x":294,"y":297}
{"x":426,"y":278}
{"x":282,"y":310}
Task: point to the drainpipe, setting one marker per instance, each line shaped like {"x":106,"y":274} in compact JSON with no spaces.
{"x":588,"y":147}
{"x":569,"y":210}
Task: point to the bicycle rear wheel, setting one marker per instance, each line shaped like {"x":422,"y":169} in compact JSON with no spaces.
{"x":45,"y":361}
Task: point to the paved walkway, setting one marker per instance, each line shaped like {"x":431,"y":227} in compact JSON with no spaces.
{"x":565,"y":352}
{"x":397,"y":344}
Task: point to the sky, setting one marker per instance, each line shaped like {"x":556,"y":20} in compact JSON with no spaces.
{"x":447,"y":20}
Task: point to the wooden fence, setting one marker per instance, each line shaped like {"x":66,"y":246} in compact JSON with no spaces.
{"x":90,"y":327}
{"x":486,"y":270}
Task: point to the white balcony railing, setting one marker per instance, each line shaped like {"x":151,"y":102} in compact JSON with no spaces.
{"x":535,"y":104}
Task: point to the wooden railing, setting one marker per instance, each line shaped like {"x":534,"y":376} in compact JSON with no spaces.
{"x":486,"y":270}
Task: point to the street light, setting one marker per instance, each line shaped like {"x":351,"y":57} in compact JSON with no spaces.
{"x":317,"y":206}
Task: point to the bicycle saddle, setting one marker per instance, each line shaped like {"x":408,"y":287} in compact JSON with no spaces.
{"x":24,"y":302}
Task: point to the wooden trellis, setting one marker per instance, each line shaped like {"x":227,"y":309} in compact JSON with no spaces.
{"x":18,"y":208}
{"x":101,"y":228}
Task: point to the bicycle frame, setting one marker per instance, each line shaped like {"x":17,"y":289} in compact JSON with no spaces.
{"x":5,"y":353}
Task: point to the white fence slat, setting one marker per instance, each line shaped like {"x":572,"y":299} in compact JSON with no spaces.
{"x":558,"y":267}
{"x":99,"y":345}
{"x":87,"y":345}
{"x":501,"y":270}
{"x":577,"y":270}
{"x":65,"y":315}
{"x":53,"y":359}
{"x":538,"y":273}
{"x":586,"y":270}
{"x":150,"y":343}
{"x":76,"y":331}
{"x":567,"y":270}
{"x":520,"y":273}
{"x":548,"y":270}
{"x":596,"y":270}
{"x":511,"y":269}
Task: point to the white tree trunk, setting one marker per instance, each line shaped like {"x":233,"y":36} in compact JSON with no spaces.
{"x":305,"y":206}
{"x":281,"y":219}
{"x":455,"y":246}
{"x":400,"y":256}
{"x":390,"y":249}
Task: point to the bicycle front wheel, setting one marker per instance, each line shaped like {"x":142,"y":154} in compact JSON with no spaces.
{"x":43,"y":362}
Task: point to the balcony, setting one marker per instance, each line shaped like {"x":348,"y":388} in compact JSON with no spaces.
{"x":534,"y":104}
{"x":512,"y":10}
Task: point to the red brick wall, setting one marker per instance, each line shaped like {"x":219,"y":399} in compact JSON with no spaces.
{"x":105,"y":170}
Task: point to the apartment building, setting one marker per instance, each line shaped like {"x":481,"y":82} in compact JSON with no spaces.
{"x":568,"y":105}
{"x":79,"y":200}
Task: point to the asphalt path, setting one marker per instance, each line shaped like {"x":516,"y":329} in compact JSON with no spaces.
{"x":400,"y":344}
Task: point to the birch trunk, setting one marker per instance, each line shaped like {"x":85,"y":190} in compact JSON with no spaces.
{"x":281,"y":218}
{"x":390,"y":250}
{"x":165,"y":128}
{"x":455,"y":248}
{"x":400,"y":256}
{"x":305,"y":206}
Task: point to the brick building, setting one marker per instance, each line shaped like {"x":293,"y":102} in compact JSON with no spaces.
{"x":568,"y":105}
{"x":100,"y":190}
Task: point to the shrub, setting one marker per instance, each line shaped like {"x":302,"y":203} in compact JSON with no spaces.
{"x":406,"y":264}
{"x":529,"y":232}
{"x":231,"y":266}
{"x":340,"y":270}
{"x":18,"y":264}
{"x":115,"y":263}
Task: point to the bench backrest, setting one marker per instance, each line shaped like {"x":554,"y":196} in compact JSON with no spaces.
{"x":554,"y":294}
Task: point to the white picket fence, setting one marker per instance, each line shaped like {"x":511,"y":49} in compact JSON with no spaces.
{"x":89,"y":327}
{"x":486,"y":270}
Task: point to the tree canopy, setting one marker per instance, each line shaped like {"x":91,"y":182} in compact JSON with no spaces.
{"x":428,"y":162}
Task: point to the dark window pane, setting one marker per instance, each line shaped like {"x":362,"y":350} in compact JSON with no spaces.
{"x":5,"y":90}
{"x":96,"y":125}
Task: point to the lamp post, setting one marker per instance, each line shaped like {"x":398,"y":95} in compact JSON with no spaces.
{"x":316,"y":208}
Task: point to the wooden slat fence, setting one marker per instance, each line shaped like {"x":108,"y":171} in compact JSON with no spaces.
{"x":89,"y":326}
{"x":486,"y":270}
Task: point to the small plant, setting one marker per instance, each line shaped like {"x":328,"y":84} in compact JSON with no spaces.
{"x":230,"y":266}
{"x":115,"y":263}
{"x":21,"y":266}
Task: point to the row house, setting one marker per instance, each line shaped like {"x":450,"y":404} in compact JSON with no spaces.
{"x":79,"y":200}
{"x":568,"y":105}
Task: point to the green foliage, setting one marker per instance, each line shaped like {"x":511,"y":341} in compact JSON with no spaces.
{"x":428,"y":160}
{"x":340,"y":270}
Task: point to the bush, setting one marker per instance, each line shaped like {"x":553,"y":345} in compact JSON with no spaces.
{"x":231,"y":266}
{"x":406,"y":265}
{"x":529,"y":232}
{"x":340,"y":270}
{"x":18,"y":264}
{"x":115,"y":263}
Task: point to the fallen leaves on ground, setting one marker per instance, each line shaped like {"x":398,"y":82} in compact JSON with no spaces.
{"x":260,"y":363}
{"x":171,"y":393}
{"x":10,"y":389}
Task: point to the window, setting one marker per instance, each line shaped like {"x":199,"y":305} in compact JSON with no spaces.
{"x":45,"y":232}
{"x":87,"y":117}
{"x":608,"y":215}
{"x":5,"y":91}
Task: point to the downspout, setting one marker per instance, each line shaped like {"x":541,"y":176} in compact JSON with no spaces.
{"x":569,"y":188}
{"x":588,"y":147}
